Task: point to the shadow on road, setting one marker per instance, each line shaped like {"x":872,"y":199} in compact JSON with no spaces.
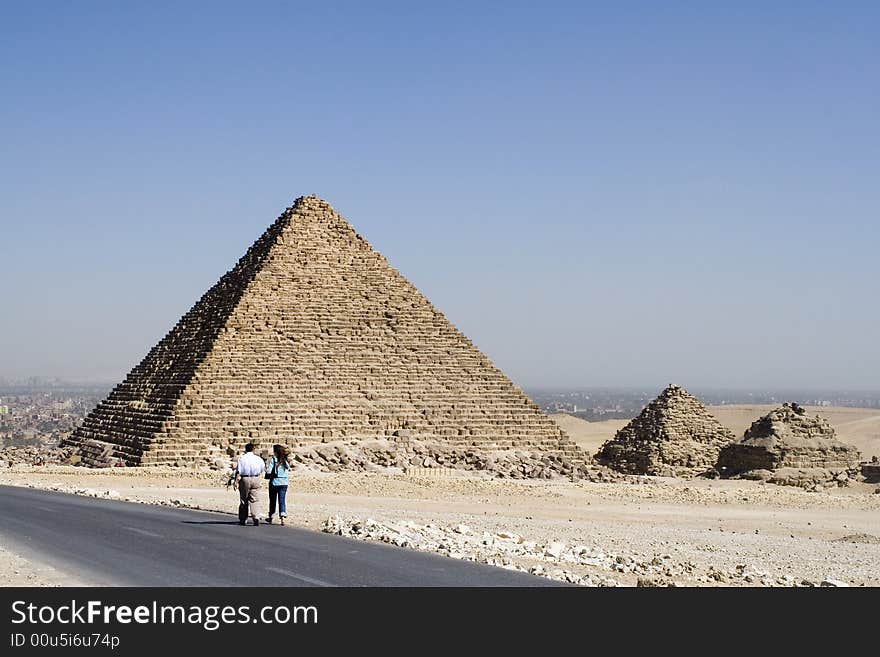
{"x":209,"y":522}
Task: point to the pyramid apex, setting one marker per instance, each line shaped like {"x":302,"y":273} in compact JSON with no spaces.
{"x":310,"y":199}
{"x":309,"y":202}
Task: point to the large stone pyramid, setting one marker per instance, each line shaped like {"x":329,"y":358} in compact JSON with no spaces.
{"x":673,"y":435}
{"x":311,"y":337}
{"x":787,"y":437}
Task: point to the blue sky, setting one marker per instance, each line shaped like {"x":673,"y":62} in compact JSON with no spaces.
{"x":620,"y":194}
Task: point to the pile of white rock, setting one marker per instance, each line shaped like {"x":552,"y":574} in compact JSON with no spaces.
{"x":554,"y":559}
{"x":501,"y":549}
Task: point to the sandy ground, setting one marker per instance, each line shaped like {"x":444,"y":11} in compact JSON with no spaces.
{"x":589,"y":436}
{"x":15,"y":570}
{"x":700,"y":532}
{"x":856,"y":426}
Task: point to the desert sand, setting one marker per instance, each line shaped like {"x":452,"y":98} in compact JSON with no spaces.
{"x":16,"y":570}
{"x":589,"y":436}
{"x":664,"y":531}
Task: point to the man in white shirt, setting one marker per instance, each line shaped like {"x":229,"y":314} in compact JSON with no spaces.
{"x":248,"y":477}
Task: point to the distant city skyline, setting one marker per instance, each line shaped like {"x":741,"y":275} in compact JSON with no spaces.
{"x":596,"y":196}
{"x":717,"y":395}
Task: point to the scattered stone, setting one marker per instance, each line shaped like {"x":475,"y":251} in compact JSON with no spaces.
{"x":36,"y":455}
{"x":503,"y":549}
{"x":858,"y":538}
{"x":554,"y":550}
{"x":508,"y":550}
{"x":644,"y":582}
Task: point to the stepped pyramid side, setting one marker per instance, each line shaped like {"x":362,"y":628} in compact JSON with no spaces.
{"x":139,"y":411}
{"x":673,"y":435}
{"x":313,"y":336}
{"x":787,"y":437}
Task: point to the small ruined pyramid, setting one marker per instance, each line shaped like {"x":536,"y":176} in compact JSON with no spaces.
{"x":312,"y":336}
{"x":674,"y":435}
{"x":787,"y":437}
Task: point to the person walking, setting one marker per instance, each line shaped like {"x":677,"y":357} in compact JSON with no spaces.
{"x":248,"y":475}
{"x":276,"y":472}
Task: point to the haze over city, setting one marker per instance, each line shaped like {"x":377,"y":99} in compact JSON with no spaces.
{"x":597,"y":197}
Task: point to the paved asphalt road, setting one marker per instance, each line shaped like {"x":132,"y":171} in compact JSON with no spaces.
{"x":110,"y":543}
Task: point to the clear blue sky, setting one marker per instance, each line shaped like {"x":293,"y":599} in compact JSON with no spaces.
{"x":618,"y":193}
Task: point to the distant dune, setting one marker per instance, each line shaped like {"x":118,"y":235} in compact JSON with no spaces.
{"x":589,"y":436}
{"x":856,"y":426}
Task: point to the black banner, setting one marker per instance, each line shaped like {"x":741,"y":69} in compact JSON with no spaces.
{"x":131,"y":620}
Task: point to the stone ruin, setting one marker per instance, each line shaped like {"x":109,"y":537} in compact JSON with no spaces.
{"x":675,"y":435}
{"x":786,"y":439}
{"x":314,"y":337}
{"x":871,"y":471}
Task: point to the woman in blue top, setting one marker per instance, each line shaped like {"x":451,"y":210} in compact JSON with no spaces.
{"x":276,"y":472}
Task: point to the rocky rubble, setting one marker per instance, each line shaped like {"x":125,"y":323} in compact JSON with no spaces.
{"x":787,"y":446}
{"x":811,"y":479}
{"x":573,"y":563}
{"x":383,"y":455}
{"x":35,"y":455}
{"x":743,"y":575}
{"x":503,"y":549}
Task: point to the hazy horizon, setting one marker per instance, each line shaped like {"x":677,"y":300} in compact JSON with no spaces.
{"x":595,"y":196}
{"x":48,"y":380}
